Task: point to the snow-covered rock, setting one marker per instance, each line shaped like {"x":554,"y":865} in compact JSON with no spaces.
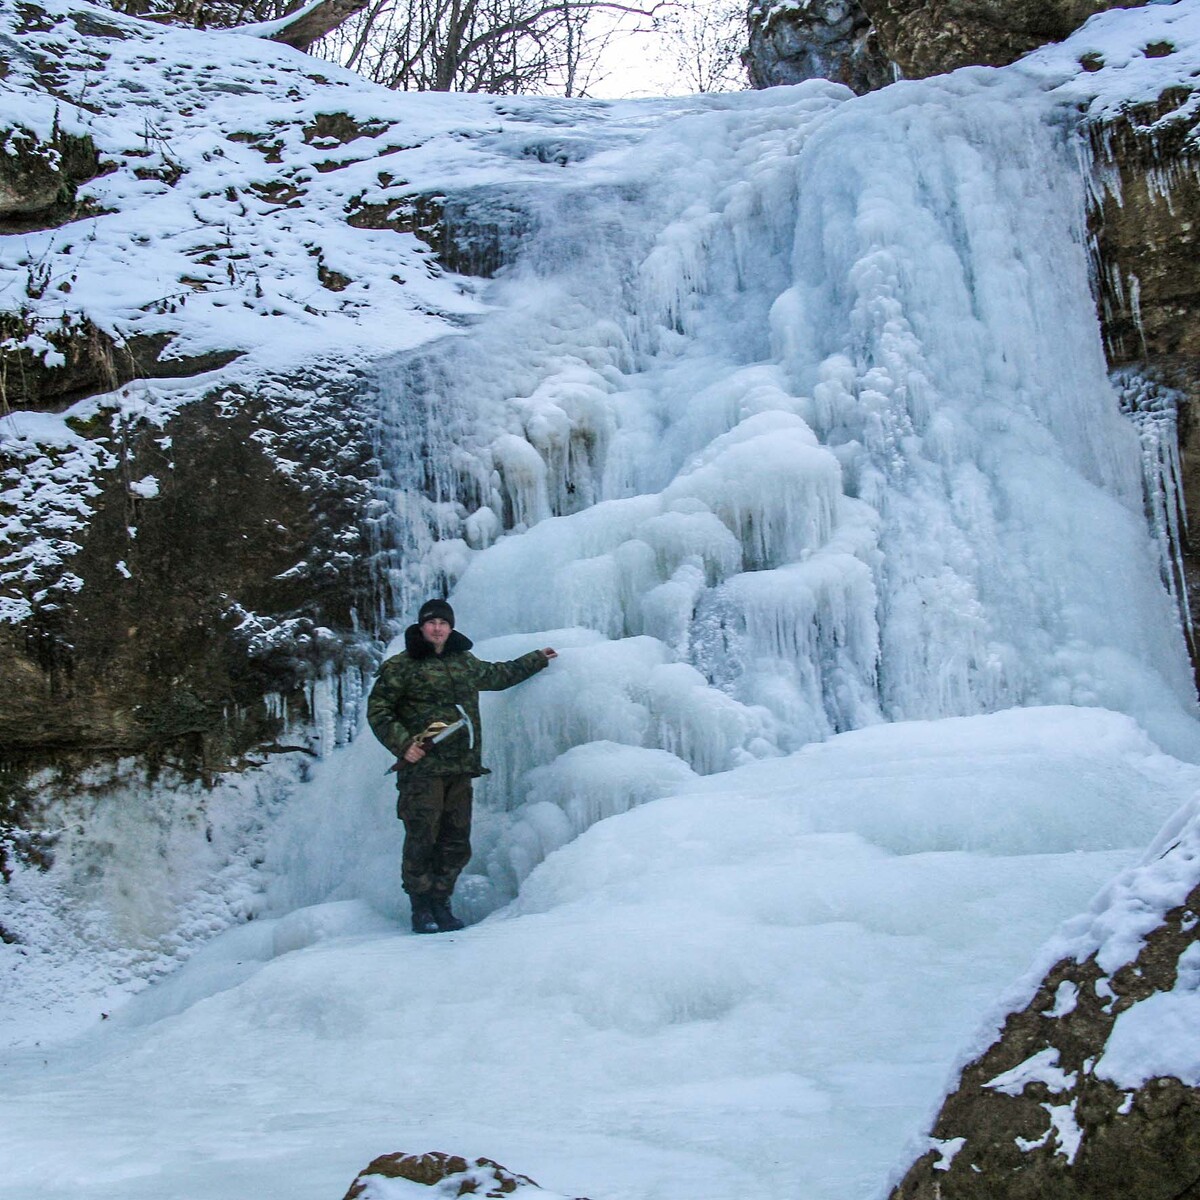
{"x":407,"y":1176}
{"x":1093,"y":1087}
{"x":929,"y":37}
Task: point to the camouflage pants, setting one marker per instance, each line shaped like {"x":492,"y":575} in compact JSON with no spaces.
{"x":436,"y":811}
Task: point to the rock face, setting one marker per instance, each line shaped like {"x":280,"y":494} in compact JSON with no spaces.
{"x":393,"y":1176}
{"x":1076,"y":1098}
{"x":790,"y":43}
{"x":1147,"y":230}
{"x":1145,"y":225}
{"x":194,"y":528}
{"x":930,"y":37}
{"x":865,"y":43}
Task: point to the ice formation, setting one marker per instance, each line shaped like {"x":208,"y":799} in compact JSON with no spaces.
{"x":800,"y":411}
{"x":786,"y":414}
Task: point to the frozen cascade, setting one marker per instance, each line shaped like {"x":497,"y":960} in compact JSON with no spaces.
{"x":764,"y":424}
{"x":1153,"y":407}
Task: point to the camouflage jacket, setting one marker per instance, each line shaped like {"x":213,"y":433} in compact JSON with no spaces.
{"x":420,"y":686}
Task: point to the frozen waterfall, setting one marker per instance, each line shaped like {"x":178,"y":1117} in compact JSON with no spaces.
{"x":788,"y":418}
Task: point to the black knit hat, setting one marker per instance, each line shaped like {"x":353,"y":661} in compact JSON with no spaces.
{"x":434,"y":610}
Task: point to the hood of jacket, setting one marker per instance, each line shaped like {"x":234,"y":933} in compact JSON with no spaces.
{"x":417,"y":647}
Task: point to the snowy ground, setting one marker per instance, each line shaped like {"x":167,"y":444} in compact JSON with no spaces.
{"x":824,"y":371}
{"x":759,"y":986}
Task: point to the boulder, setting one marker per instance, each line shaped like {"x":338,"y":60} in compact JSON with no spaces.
{"x":833,"y":39}
{"x":39,"y":178}
{"x":404,"y":1176}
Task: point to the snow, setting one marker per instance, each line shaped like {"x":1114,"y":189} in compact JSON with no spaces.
{"x":1157,"y":1036}
{"x":146,"y":488}
{"x":1127,"y":74}
{"x":787,"y":423}
{"x":759,"y":981}
{"x":1063,"y":1128}
{"x":1041,"y":1068}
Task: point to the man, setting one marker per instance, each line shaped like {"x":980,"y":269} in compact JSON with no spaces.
{"x":424,"y":708}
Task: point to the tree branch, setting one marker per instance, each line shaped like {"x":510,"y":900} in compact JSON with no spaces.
{"x":314,"y":21}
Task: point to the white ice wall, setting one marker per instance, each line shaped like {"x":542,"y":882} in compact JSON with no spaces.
{"x":800,"y":408}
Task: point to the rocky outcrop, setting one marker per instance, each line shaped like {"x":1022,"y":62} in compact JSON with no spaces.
{"x":219,"y":606}
{"x":223,"y":563}
{"x":930,"y":37}
{"x":49,"y":368}
{"x":789,"y":43}
{"x":449,"y":1174}
{"x":474,"y":232}
{"x":39,"y":178}
{"x":1079,"y":1096}
{"x":866,"y":43}
{"x":1145,"y":228}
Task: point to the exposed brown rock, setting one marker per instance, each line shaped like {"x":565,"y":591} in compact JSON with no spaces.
{"x":930,"y":37}
{"x":451,"y":1174}
{"x":39,"y":179}
{"x":1100,"y":1141}
{"x":341,"y":128}
{"x":69,"y":361}
{"x":1145,"y":226}
{"x":1147,"y":231}
{"x":470,"y":233}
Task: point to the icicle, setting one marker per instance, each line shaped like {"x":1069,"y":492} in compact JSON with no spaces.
{"x":1154,"y":410}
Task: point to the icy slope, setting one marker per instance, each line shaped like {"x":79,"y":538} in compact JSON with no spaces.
{"x":758,"y":985}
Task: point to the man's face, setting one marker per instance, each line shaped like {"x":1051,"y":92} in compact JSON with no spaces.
{"x":436,"y":631}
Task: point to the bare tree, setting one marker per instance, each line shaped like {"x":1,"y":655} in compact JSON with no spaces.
{"x":501,"y":47}
{"x":703,"y":42}
{"x":497,"y":46}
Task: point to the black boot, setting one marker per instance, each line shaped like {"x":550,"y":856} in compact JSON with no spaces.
{"x":423,"y":919}
{"x":447,"y":922}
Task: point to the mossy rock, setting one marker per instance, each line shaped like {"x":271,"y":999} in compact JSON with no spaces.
{"x":39,"y":179}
